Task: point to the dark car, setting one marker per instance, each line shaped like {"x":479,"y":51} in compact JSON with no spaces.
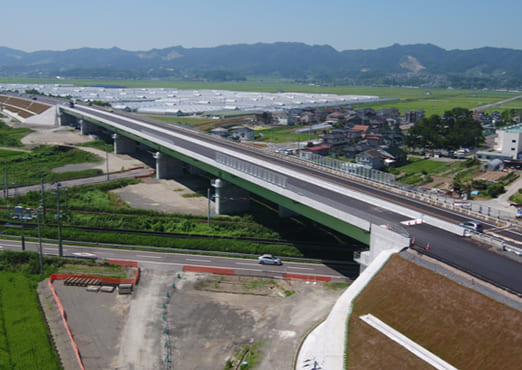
{"x":268,"y":259}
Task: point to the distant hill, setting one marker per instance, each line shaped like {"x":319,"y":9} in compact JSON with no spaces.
{"x":418,"y":65}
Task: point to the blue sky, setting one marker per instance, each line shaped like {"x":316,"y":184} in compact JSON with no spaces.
{"x":344,"y":24}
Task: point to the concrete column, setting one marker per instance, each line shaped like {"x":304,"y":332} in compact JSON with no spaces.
{"x":123,"y":145}
{"x":230,"y":198}
{"x":83,"y":127}
{"x":167,"y":167}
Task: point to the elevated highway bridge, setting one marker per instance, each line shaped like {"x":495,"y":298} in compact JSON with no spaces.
{"x":365,"y":212}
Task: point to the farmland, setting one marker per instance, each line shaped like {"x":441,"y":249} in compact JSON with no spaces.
{"x":433,"y":101}
{"x":24,"y":340}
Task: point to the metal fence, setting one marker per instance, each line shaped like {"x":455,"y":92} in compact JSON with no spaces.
{"x":252,"y":170}
{"x":349,"y":168}
{"x":470,"y":208}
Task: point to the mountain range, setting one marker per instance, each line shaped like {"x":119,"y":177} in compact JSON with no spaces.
{"x":417,"y":65}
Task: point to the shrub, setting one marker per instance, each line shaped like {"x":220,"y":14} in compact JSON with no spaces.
{"x":494,"y":190}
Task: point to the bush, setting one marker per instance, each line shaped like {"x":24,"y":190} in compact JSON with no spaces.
{"x":494,"y":190}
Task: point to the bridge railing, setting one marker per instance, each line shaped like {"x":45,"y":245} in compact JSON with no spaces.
{"x":383,"y":179}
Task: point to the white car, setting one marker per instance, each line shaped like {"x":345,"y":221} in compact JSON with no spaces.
{"x":84,"y":255}
{"x":268,"y":259}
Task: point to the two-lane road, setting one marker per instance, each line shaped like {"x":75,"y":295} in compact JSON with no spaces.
{"x":248,"y":266}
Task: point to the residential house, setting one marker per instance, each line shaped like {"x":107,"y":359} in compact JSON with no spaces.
{"x":219,"y":131}
{"x":335,"y":117}
{"x":244,"y":133}
{"x":363,"y":129}
{"x":351,"y":151}
{"x":323,"y":150}
{"x":335,"y":138}
{"x":370,"y":158}
{"x":375,"y":139}
{"x":379,"y":158}
{"x":413,"y":116}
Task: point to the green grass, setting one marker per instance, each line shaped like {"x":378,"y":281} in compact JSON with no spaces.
{"x":99,"y":144}
{"x":5,"y":153}
{"x":25,"y":342}
{"x":192,"y":195}
{"x":283,"y":135}
{"x":420,"y":171}
{"x":11,"y":136}
{"x":336,"y":285}
{"x":516,"y":198}
{"x":38,"y":164}
{"x":515,"y":104}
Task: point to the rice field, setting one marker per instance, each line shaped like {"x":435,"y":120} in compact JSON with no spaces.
{"x":24,"y":339}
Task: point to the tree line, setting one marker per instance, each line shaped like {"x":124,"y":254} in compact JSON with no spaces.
{"x":453,"y":130}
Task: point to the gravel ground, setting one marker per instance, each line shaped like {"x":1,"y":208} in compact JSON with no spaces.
{"x":205,"y":320}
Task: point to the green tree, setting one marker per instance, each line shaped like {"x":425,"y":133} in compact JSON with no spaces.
{"x":455,"y":129}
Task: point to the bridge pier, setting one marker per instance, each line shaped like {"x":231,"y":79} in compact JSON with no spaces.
{"x":229,"y":198}
{"x":123,"y":145}
{"x":167,"y":167}
{"x":87,"y":128}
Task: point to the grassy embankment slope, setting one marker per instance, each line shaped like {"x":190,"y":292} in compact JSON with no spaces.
{"x":460,"y":325}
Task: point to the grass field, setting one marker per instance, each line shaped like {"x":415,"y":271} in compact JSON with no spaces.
{"x":415,"y":172}
{"x":10,"y":137}
{"x":24,"y":340}
{"x":30,"y":167}
{"x":463,"y":327}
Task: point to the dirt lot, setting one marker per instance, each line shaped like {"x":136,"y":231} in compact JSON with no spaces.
{"x":201,"y":322}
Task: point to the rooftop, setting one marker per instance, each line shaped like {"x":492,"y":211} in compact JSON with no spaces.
{"x":171,"y":100}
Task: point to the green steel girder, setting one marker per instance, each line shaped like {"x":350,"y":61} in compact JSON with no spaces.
{"x":345,"y":228}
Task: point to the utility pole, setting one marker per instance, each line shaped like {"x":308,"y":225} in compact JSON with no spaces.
{"x":208,"y":197}
{"x":22,"y":229}
{"x":107,"y":160}
{"x":5,"y":182}
{"x":58,"y":218}
{"x":42,"y":198}
{"x":39,"y":239}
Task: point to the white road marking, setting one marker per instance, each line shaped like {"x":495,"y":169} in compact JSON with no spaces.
{"x":247,"y":264}
{"x":50,"y":249}
{"x":193,"y":260}
{"x":300,"y":268}
{"x":138,"y":255}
